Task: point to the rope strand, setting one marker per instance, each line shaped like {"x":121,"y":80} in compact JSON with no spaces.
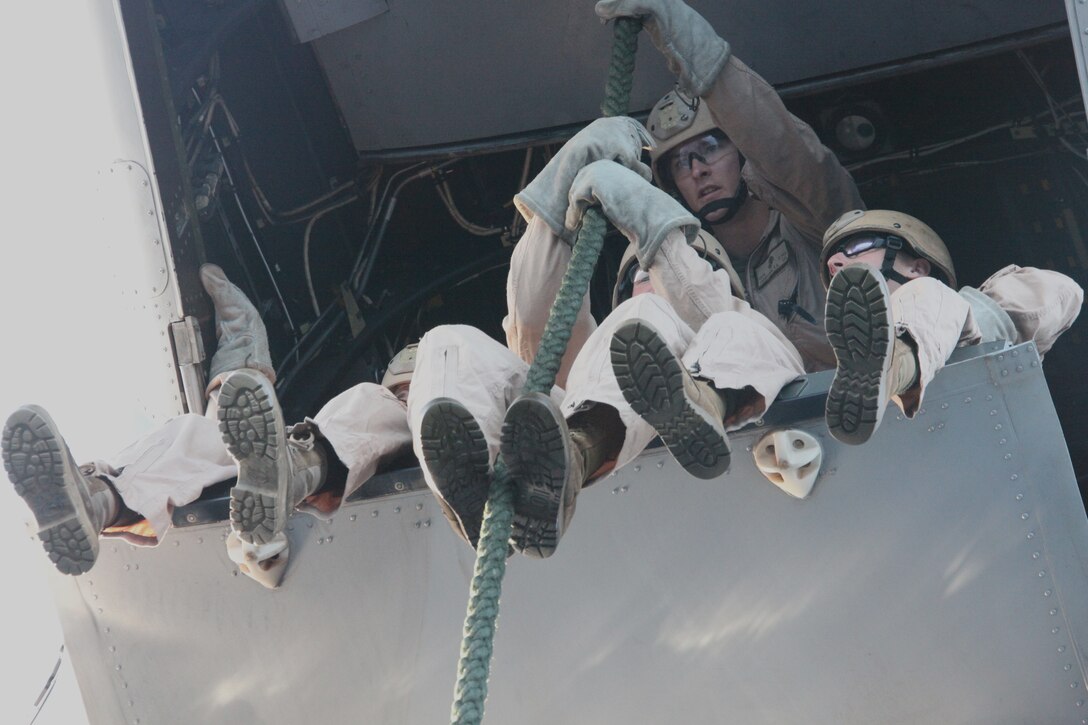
{"x":482,"y":616}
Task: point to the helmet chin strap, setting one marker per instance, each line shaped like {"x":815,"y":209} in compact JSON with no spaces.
{"x":887,"y":268}
{"x":731,"y":205}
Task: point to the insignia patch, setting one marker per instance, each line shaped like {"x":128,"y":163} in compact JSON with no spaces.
{"x":776,"y":261}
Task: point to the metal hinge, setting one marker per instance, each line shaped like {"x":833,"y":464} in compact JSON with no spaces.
{"x":189,"y":355}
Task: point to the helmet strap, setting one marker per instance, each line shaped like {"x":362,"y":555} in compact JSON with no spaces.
{"x":731,"y":205}
{"x":887,"y":268}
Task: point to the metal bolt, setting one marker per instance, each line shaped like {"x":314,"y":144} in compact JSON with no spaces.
{"x":399,"y":486}
{"x":191,"y":518}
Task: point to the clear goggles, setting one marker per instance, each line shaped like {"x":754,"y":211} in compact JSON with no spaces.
{"x":708,"y":149}
{"x":863,"y":242}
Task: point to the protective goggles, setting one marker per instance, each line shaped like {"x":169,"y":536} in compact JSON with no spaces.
{"x":708,"y":150}
{"x":863,"y":242}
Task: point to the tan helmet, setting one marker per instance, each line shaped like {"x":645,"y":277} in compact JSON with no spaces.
{"x":674,"y":120}
{"x":918,"y":236}
{"x":704,"y":243}
{"x":400,"y":367}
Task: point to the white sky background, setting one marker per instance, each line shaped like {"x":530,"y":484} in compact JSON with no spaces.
{"x":82,"y":308}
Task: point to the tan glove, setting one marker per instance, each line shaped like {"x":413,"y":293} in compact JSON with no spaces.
{"x":642,"y":212}
{"x":690,"y":45}
{"x":242,"y":339}
{"x":618,"y":139}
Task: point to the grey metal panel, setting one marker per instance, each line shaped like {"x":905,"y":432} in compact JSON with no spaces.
{"x":937,"y":574}
{"x":429,"y":73}
{"x":313,"y":19}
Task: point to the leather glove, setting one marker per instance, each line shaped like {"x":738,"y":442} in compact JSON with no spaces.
{"x":692,"y":49}
{"x":642,"y":212}
{"x":242,"y":339}
{"x":618,"y":138}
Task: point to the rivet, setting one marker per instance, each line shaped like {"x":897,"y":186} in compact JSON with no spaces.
{"x":427,"y":523}
{"x":131,"y":703}
{"x":309,"y":524}
{"x":1000,"y":357}
{"x":1019,"y":497}
{"x":107,"y":630}
{"x":616,"y":490}
{"x":290,"y":527}
{"x":1024,"y":516}
{"x":177,"y":543}
{"x":998,"y":426}
{"x":660,"y":464}
{"x":1053,"y":612}
{"x":1041,"y":573}
{"x":1035,"y":555}
{"x":638,"y":468}
{"x":931,"y":429}
{"x":748,"y":448}
{"x":113,"y":648}
{"x":1035,"y":363}
{"x":191,"y":518}
{"x":1061,"y":648}
{"x":200,"y":540}
{"x":234,"y":573}
{"x":1014,"y":477}
{"x":993,"y":412}
{"x":1016,"y":353}
{"x":1003,"y":441}
{"x":352,"y":517}
{"x":966,"y":400}
{"x":1073,"y":685}
{"x":1067,"y":668}
{"x":989,"y":397}
{"x":329,"y":538}
{"x":320,"y":541}
{"x":418,"y":524}
{"x":1008,"y":456}
{"x":921,"y":411}
{"x":1004,"y":373}
{"x":623,"y":488}
{"x":419,"y":507}
{"x":1047,"y":593}
{"x":1019,"y":368}
{"x":374,"y":514}
{"x":940,"y":426}
{"x":396,"y":510}
{"x":944,"y":406}
{"x":118,"y":668}
{"x":127,"y":567}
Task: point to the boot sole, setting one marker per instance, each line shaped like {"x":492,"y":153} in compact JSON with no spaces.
{"x":652,"y":382}
{"x":455,"y":454}
{"x":41,"y":469}
{"x":536,"y":448}
{"x":858,"y":325}
{"x":253,"y":431}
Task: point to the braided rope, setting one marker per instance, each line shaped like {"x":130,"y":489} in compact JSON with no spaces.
{"x":477,"y":645}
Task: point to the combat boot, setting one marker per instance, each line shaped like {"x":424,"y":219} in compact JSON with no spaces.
{"x":550,"y":460}
{"x":687,"y":413}
{"x":276,"y":471}
{"x":457,"y":460}
{"x":871,"y":363}
{"x":71,"y":505}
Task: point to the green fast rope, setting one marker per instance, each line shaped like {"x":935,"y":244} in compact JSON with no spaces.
{"x":483,"y":606}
